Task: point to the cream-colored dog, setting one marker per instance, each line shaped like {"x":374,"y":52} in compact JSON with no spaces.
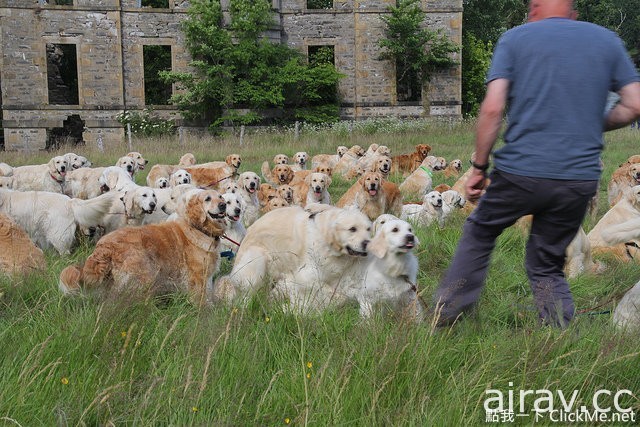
{"x":48,"y":177}
{"x":429,"y":211}
{"x":389,"y":276}
{"x":249,"y":183}
{"x":309,"y":254}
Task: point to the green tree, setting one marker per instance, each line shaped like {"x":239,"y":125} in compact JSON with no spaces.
{"x":240,"y":75}
{"x":416,"y":51}
{"x":621,"y":16}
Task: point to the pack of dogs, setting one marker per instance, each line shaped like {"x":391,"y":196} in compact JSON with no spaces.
{"x":281,"y":230}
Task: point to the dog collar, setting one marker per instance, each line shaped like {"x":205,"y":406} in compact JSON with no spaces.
{"x":426,"y":170}
{"x":59,"y":181}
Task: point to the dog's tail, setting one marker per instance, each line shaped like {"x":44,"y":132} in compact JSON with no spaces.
{"x":90,"y":213}
{"x":70,"y":282}
{"x":266,"y":173}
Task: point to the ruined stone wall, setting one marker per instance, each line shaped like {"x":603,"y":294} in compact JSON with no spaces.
{"x":109,"y":36}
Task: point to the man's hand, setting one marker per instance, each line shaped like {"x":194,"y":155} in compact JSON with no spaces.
{"x":475,"y":185}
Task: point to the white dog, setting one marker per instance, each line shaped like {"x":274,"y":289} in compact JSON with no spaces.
{"x":51,"y":219}
{"x":300,"y":160}
{"x":249,"y":183}
{"x":451,"y":200}
{"x":389,"y":276}
{"x":75,"y":161}
{"x":86,"y":183}
{"x":130,"y":208}
{"x":234,"y":229}
{"x":430,"y":210}
{"x":5,"y":169}
{"x":310,"y":254}
{"x":318,"y":184}
{"x":47,"y":177}
{"x":180,"y":176}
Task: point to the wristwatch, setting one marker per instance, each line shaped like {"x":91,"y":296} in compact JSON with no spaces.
{"x":482,"y":168}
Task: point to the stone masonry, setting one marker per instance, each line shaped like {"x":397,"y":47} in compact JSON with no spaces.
{"x":109,"y":36}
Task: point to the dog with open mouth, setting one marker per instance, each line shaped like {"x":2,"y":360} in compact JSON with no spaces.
{"x":309,"y":254}
{"x":429,"y":211}
{"x":367,"y":195}
{"x":156,"y":259}
{"x":234,"y":230}
{"x":48,"y":177}
{"x":249,"y":183}
{"x":389,"y":276}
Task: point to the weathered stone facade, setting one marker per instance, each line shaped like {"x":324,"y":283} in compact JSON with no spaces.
{"x":109,"y":36}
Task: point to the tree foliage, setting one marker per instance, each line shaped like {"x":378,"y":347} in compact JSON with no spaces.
{"x":242,"y":77}
{"x":416,"y":50}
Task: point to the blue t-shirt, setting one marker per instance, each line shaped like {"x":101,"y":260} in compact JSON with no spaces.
{"x":560,"y":72}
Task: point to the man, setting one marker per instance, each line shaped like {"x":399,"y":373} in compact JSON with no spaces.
{"x":554,"y":73}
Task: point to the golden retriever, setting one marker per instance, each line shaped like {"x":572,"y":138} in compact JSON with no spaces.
{"x":281,"y":174}
{"x":157,"y":259}
{"x":48,"y":177}
{"x":348,"y":160}
{"x":616,"y":227}
{"x":84,"y":183}
{"x":5,"y":169}
{"x":429,"y":211}
{"x":301,"y":176}
{"x":180,"y":176}
{"x":309,"y":254}
{"x":19,"y":255}
{"x":329,"y":160}
{"x":622,"y":179}
{"x":366,"y":195}
{"x":75,"y":161}
{"x":389,"y":275}
{"x":249,"y":183}
{"x":51,"y":219}
{"x":233,"y":161}
{"x":140,"y":162}
{"x":210,"y":177}
{"x":313,"y":190}
{"x":187,"y":159}
{"x":300,"y":160}
{"x":453,"y":169}
{"x":407,"y":163}
{"x":280,"y":159}
{"x":274,"y":203}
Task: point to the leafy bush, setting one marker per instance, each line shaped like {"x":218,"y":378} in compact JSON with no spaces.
{"x":145,"y":124}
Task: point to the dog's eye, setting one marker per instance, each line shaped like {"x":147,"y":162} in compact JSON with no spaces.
{"x":207,"y":199}
{"x":144,"y":195}
{"x":395,"y":229}
{"x":353,"y":229}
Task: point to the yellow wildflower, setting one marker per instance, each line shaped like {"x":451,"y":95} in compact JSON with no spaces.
{"x":64,"y":380}
{"x":309,"y":365}
{"x":308,"y":374}
{"x":267,"y":319}
{"x":123,"y":334}
{"x":194,"y":409}
{"x":287,"y":420}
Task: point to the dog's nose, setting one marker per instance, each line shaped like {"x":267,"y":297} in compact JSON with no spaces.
{"x":62,"y":168}
{"x":365,"y":243}
{"x":129,"y":167}
{"x":152,"y":205}
{"x":222,"y":206}
{"x":237,"y":211}
{"x":410,"y":238}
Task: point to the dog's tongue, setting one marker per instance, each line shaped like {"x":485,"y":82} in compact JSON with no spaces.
{"x":63,"y":174}
{"x":373,"y":192}
{"x":251,"y":190}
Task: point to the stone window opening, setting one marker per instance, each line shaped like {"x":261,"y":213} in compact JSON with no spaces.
{"x":56,"y":2}
{"x":321,"y":54}
{"x":156,"y":4}
{"x":70,"y":134}
{"x":156,"y":58}
{"x":319,"y":4}
{"x":62,"y":74}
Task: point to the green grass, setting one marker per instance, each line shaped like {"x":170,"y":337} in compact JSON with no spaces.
{"x":85,"y":361}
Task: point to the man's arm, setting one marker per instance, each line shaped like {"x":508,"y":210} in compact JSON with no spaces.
{"x":489,"y":124}
{"x":627,"y":110}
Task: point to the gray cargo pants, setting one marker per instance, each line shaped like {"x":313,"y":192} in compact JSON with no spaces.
{"x":558,"y":207}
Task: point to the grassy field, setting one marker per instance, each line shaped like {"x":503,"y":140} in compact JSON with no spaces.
{"x":84,"y":361}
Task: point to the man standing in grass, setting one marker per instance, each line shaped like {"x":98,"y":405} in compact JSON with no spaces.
{"x":552,"y":75}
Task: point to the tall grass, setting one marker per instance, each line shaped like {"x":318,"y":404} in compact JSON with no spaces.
{"x":85,"y":361}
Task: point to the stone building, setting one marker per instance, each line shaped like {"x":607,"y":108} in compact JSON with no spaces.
{"x":69,"y":67}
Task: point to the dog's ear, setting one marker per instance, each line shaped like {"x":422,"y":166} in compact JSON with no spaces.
{"x":378,"y":245}
{"x":307,"y":179}
{"x":328,"y":179}
{"x":129,"y":203}
{"x":194,"y":212}
{"x":52,"y":166}
{"x":229,"y":159}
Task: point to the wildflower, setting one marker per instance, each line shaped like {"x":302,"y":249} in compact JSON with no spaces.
{"x":194,"y":409}
{"x":267,"y":319}
{"x":287,"y":420}
{"x":308,"y":375}
{"x":64,"y":380}
{"x":235,"y":310}
{"x":309,"y":365}
{"x":123,"y":334}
